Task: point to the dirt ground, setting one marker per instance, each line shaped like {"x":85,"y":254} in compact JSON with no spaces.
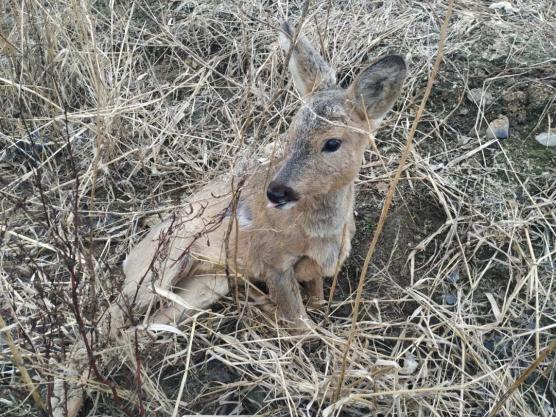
{"x":111,"y":113}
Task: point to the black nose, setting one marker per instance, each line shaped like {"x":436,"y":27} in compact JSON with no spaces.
{"x":280,"y":194}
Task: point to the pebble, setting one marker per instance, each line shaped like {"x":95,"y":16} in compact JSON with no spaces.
{"x":499,"y":128}
{"x":451,"y":299}
{"x":504,"y":5}
{"x":453,"y":277}
{"x":547,"y":138}
{"x":410,"y":364}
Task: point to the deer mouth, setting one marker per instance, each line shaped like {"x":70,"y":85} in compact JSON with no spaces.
{"x":285,"y":205}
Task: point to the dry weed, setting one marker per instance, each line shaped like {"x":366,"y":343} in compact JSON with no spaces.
{"x":112,"y":111}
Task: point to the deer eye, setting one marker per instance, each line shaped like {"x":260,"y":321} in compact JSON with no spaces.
{"x":331,"y":145}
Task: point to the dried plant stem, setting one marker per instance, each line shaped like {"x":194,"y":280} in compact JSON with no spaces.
{"x":389,"y":197}
{"x":186,"y":370}
{"x":542,"y":356}
{"x":113,"y":115}
{"x":18,"y":361}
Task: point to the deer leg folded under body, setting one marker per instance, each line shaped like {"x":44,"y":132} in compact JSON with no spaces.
{"x":193,"y":294}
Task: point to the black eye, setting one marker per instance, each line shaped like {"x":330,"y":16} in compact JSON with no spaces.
{"x":331,"y":145}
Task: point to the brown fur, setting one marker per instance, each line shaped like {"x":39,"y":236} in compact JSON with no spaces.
{"x":282,"y":247}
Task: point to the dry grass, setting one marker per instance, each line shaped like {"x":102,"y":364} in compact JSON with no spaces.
{"x":112,"y":111}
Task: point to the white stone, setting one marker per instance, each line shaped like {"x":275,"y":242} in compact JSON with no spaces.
{"x":547,"y":138}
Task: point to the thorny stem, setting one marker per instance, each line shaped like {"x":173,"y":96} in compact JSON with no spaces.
{"x":138,"y":376}
{"x":69,"y":253}
{"x":236,"y":191}
{"x":71,"y":262}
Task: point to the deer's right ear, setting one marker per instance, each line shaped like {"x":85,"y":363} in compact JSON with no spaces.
{"x":309,"y":70}
{"x":376,"y":89}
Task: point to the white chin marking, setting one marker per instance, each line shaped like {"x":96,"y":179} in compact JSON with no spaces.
{"x":244,"y":216}
{"x":286,"y":206}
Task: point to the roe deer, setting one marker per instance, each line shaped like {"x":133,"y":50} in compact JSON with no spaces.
{"x":295,"y":228}
{"x":294,"y":222}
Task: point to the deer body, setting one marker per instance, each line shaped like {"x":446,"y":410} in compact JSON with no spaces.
{"x":294,"y":219}
{"x":281,"y":248}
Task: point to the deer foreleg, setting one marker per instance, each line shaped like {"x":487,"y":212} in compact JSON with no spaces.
{"x":284,"y":291}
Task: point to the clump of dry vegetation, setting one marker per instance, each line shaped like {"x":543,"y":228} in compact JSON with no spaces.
{"x":112,"y":111}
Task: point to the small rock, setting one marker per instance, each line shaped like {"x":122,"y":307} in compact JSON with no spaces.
{"x":547,"y":138}
{"x":477,"y":94}
{"x":451,"y":299}
{"x":410,"y":364}
{"x":499,"y":128}
{"x":453,"y":277}
{"x":503,"y":5}
{"x":273,"y":150}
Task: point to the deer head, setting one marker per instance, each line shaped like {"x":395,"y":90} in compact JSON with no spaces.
{"x":330,"y":132}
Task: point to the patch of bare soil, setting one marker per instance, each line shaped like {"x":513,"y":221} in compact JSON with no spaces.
{"x":413,"y":216}
{"x":473,"y":91}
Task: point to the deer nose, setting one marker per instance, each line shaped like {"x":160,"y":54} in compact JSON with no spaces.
{"x":280,"y":194}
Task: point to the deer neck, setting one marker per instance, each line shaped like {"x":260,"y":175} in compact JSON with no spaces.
{"x":326,"y":214}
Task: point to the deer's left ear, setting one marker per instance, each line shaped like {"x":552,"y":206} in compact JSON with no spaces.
{"x":376,"y":89}
{"x":309,"y":70}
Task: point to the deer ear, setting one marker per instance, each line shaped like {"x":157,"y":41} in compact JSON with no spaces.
{"x":376,"y":89}
{"x":309,"y":70}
